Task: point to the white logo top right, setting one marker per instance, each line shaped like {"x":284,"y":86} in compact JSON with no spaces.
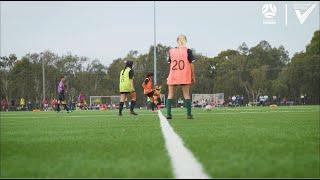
{"x":303,"y":11}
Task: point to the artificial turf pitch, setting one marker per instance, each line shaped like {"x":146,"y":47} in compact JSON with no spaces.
{"x":229,"y":142}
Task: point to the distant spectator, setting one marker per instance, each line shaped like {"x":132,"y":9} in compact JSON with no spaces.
{"x":4,"y":104}
{"x":81,"y":99}
{"x":266,"y":98}
{"x":22,"y":103}
{"x":202,"y":103}
{"x":54,"y":104}
{"x":237,"y":100}
{"x":29,"y":106}
{"x":12,"y":106}
{"x":285,"y":100}
{"x":261,"y":100}
{"x":274,"y":99}
{"x":13,"y":102}
{"x":70,"y":105}
{"x":303,"y":99}
{"x":45,"y":104}
{"x":194,"y":104}
{"x":234,"y":99}
{"x":242,"y":100}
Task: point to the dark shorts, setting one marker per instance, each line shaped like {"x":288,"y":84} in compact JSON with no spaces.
{"x":150,"y":94}
{"x":61,"y":97}
{"x":127,"y":92}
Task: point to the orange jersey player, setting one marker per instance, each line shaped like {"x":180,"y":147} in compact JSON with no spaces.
{"x":148,"y":89}
{"x":181,"y":73}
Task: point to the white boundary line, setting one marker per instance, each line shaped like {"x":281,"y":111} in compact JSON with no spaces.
{"x":185,"y":165}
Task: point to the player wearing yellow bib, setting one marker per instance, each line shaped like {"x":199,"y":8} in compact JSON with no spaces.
{"x":126,"y":86}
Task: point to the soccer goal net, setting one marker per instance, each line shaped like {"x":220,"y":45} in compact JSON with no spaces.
{"x":108,"y":100}
{"x":201,"y":100}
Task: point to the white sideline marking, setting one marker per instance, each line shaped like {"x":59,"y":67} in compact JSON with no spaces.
{"x":185,"y":165}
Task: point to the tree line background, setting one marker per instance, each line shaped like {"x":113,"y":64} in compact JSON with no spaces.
{"x":247,"y":71}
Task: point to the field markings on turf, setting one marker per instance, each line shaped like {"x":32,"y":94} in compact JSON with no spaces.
{"x":185,"y":165}
{"x":114,"y":115}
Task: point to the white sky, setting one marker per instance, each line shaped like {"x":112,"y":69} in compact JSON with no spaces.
{"x":109,"y":30}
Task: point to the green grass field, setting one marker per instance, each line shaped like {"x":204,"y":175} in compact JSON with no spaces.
{"x":228,"y":142}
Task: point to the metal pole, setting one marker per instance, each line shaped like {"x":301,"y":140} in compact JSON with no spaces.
{"x":154,"y":45}
{"x":43,"y":81}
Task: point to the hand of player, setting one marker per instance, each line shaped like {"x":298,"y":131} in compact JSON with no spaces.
{"x":193,"y":79}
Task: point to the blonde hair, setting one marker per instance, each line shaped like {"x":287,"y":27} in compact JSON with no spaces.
{"x":182,"y":40}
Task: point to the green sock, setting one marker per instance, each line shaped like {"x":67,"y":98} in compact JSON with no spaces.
{"x":188,"y":106}
{"x":169,"y":102}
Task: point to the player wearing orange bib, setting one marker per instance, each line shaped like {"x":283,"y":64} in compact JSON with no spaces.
{"x":148,"y":89}
{"x":181,"y":73}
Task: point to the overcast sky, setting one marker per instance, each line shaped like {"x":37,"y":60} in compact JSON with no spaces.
{"x":109,"y":30}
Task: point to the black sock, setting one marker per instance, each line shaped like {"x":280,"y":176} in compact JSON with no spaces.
{"x":121,"y":107}
{"x":58,"y":107}
{"x":133,"y":103}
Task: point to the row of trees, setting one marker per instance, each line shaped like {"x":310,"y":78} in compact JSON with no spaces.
{"x":255,"y":71}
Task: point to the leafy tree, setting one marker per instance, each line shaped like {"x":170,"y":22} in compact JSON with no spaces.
{"x":248,"y":71}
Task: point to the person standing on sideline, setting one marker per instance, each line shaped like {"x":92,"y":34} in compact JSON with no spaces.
{"x":61,"y":97}
{"x":4,"y":104}
{"x":22,"y":104}
{"x":45,"y":104}
{"x":126,"y":87}
{"x":181,"y":73}
{"x":81,"y":99}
